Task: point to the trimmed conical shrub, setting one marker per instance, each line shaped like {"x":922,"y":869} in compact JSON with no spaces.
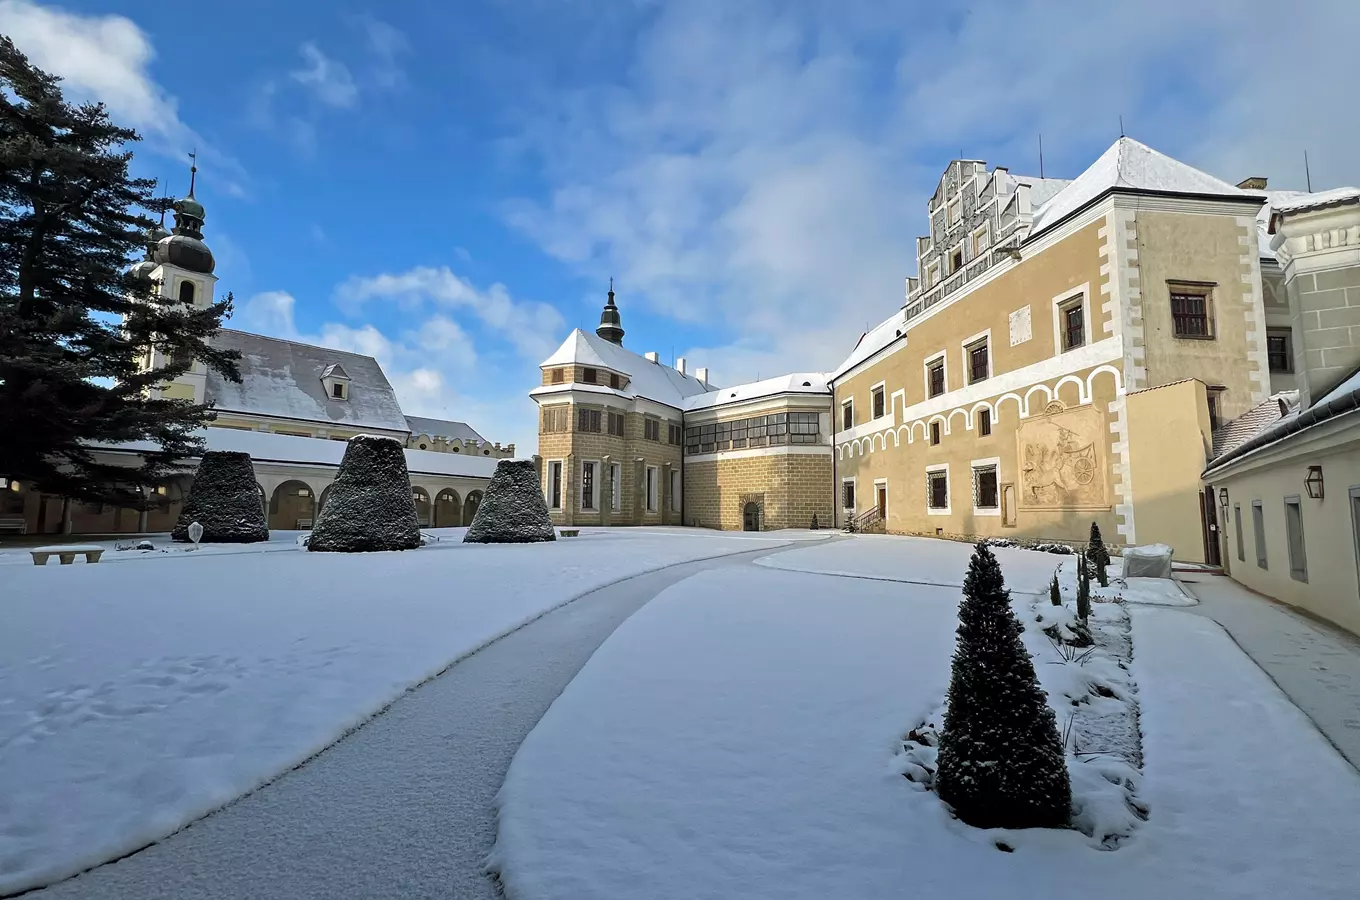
{"x":225,"y":500}
{"x":1001,"y":761}
{"x":1083,"y":587}
{"x":1096,"y":552}
{"x":512,"y":510}
{"x":1054,"y":592}
{"x":369,"y":507}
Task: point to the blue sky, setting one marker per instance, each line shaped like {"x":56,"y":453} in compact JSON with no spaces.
{"x":449,"y":186}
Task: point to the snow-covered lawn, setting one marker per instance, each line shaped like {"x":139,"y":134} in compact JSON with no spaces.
{"x":136,"y":697}
{"x":740,"y":737}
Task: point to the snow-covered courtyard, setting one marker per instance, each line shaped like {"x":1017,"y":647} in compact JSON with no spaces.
{"x":143,"y":692}
{"x":742,"y":736}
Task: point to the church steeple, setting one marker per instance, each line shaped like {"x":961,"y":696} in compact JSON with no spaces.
{"x":610,"y":328}
{"x":184,"y":247}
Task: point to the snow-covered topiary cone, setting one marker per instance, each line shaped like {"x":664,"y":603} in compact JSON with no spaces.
{"x":369,"y":507}
{"x":225,"y":499}
{"x":512,"y":509}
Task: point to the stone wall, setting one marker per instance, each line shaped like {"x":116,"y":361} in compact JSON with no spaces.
{"x":789,"y":487}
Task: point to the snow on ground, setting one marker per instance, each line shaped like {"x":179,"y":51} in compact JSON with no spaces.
{"x":1145,"y":591}
{"x":736,"y":737}
{"x":137,"y":697}
{"x":916,"y":560}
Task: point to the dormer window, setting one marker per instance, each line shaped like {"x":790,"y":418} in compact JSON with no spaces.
{"x":336,"y":381}
{"x":589,"y":375}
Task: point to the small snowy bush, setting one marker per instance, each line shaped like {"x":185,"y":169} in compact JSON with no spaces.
{"x":512,"y":510}
{"x":1054,"y":593}
{"x":1001,"y":762}
{"x":1083,"y":588}
{"x":369,"y":506}
{"x":225,"y":499}
{"x":1098,"y":555}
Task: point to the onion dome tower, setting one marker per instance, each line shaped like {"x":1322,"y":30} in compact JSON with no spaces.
{"x":611,"y":329}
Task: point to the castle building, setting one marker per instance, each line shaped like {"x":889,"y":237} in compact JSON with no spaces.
{"x":294,"y":406}
{"x":1067,"y":355}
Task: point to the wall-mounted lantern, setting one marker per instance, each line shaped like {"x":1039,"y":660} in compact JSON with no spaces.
{"x":1223,"y":497}
{"x":1314,"y":482}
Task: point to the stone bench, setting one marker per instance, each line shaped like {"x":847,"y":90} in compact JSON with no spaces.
{"x":66,"y":553}
{"x":14,"y":523}
{"x":569,"y":532}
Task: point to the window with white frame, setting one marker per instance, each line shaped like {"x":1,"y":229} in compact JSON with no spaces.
{"x":984,"y":422}
{"x":1258,"y":525}
{"x":1237,"y":526}
{"x":848,"y":493}
{"x":675,"y":491}
{"x":955,"y":210}
{"x":555,"y":484}
{"x":1293,"y":526}
{"x":588,"y":485}
{"x":986,"y":490}
{"x":848,"y":415}
{"x":651,"y":488}
{"x":956,"y":259}
{"x":937,"y":381}
{"x":937,"y":489}
{"x":932,"y":275}
{"x":616,"y":486}
{"x":878,"y":400}
{"x":1071,"y":321}
{"x":977,"y":365}
{"x":979,"y":241}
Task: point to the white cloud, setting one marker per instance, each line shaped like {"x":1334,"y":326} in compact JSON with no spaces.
{"x":766,"y":165}
{"x":428,"y":366}
{"x":328,"y":79}
{"x":386,"y":47}
{"x":534,"y":329}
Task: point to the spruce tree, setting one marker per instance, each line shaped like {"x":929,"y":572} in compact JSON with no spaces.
{"x":1083,"y":588}
{"x":1054,"y":593}
{"x":73,"y":320}
{"x":1001,"y":760}
{"x":1096,"y":552}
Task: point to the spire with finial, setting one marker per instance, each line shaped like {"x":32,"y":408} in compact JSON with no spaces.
{"x":189,"y":212}
{"x":610,"y":328}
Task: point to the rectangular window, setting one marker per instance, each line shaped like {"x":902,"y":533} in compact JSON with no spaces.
{"x":615,"y":486}
{"x":984,"y":422}
{"x":979,"y":241}
{"x":554,"y":419}
{"x":955,"y":210}
{"x":1258,"y":525}
{"x":675,"y":491}
{"x":878,"y":397}
{"x":590,"y":376}
{"x":1279,"y":351}
{"x":1293,"y":523}
{"x":673,"y":434}
{"x":935,"y":377}
{"x":1072,"y":323}
{"x":588,"y":420}
{"x":934,"y":432}
{"x":1191,"y":315}
{"x":616,"y":424}
{"x":556,"y":376}
{"x":651,"y":489}
{"x":651,"y":429}
{"x":1237,"y":526}
{"x":338,"y":390}
{"x":932,"y":274}
{"x":691,"y":441}
{"x":985,"y":495}
{"x":848,"y":415}
{"x":956,"y":260}
{"x":587,"y":485}
{"x":937,"y":490}
{"x":848,"y":494}
{"x":1214,"y":397}
{"x":977,"y":362}
{"x":555,"y":485}
{"x":615,"y":381}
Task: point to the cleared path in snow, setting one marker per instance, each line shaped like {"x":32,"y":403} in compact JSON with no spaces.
{"x":404,"y":806}
{"x":1316,"y":665}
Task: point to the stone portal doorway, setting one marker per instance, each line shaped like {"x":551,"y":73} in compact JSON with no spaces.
{"x":750,"y":517}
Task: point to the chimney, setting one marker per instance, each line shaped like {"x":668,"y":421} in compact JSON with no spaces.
{"x":652,"y":357}
{"x":702,"y":375}
{"x":680,"y":365}
{"x":1254,"y":183}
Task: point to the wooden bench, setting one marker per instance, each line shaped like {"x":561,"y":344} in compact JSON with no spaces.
{"x":303,"y":524}
{"x":66,"y":553}
{"x":13,"y":523}
{"x":569,"y":532}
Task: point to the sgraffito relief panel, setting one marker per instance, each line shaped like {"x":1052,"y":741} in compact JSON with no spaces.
{"x":1062,"y":465}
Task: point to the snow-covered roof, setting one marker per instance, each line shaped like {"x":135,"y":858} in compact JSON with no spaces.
{"x":268,"y":447}
{"x":1130,"y":165}
{"x":794,"y":383}
{"x":443,"y":428}
{"x":874,"y":340}
{"x":1041,"y":190}
{"x":283,"y":379}
{"x":652,"y":380}
{"x":1301,"y":200}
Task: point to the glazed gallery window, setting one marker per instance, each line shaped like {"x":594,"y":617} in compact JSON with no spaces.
{"x":1280,"y":352}
{"x":587,"y":485}
{"x":773,"y":430}
{"x":1072,"y":323}
{"x":878,"y":397}
{"x":555,"y":485}
{"x":616,"y":424}
{"x":984,"y":422}
{"x":590,"y":376}
{"x":1191,"y":312}
{"x":554,"y":419}
{"x":651,"y":429}
{"x":935,"y":377}
{"x":985,"y":494}
{"x":848,"y":415}
{"x":978,"y":368}
{"x":588,"y":420}
{"x":937,"y":490}
{"x":848,"y":494}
